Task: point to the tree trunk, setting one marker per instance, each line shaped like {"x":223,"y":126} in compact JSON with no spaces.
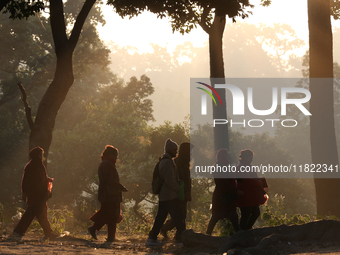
{"x":42,"y":129}
{"x":322,"y":130}
{"x":221,"y":137}
{"x":41,"y":134}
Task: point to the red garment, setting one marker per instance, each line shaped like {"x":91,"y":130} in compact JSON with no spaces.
{"x":252,"y":188}
{"x":109,"y":212}
{"x":34,"y":184}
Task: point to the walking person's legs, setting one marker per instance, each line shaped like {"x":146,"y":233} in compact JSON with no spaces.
{"x":177,"y":215}
{"x":99,"y":219}
{"x":25,"y":220}
{"x":212,"y":222}
{"x":245,"y":215}
{"x":170,"y":224}
{"x":232,"y":216}
{"x":111,"y":231}
{"x":44,"y":222}
{"x":254,"y":214}
{"x":162,"y":213}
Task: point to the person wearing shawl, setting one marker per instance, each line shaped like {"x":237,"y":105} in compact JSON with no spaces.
{"x":36,"y":190}
{"x":253,"y":193}
{"x":109,"y":195}
{"x":224,"y":196}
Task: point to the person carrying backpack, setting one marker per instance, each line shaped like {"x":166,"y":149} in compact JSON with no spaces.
{"x":182,"y":162}
{"x":168,"y":196}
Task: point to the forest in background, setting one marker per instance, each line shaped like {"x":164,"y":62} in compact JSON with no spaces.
{"x":102,"y":108}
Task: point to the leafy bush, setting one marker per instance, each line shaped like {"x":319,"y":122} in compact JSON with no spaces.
{"x":275,"y":215}
{"x":60,"y":219}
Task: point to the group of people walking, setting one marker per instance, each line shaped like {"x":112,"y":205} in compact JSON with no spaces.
{"x":174,"y":194}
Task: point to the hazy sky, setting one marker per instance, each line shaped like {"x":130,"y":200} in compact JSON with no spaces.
{"x":145,"y":29}
{"x":142,"y":31}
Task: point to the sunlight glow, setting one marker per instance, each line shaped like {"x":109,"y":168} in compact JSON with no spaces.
{"x":146,"y":29}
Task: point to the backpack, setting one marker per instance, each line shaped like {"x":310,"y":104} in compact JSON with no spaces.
{"x":157,"y":181}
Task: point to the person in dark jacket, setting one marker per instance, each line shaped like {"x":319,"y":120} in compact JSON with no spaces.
{"x":182,"y":162}
{"x":109,"y":195}
{"x":36,"y":190}
{"x":168,"y":196}
{"x":224,"y":196}
{"x":253,"y":194}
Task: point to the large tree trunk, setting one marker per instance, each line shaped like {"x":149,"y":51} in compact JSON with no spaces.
{"x":42,"y":128}
{"x":322,"y":130}
{"x":221,"y":137}
{"x":41,"y":134}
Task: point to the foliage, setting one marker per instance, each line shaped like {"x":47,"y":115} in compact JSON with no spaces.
{"x":184,"y":15}
{"x":108,"y":119}
{"x":266,"y":2}
{"x":60,"y":219}
{"x":335,"y":9}
{"x":199,"y":214}
{"x":275,"y":215}
{"x":132,"y":223}
{"x":102,"y":109}
{"x":226,"y":228}
{"x":158,"y":136}
{"x":27,"y":55}
{"x":20,"y":9}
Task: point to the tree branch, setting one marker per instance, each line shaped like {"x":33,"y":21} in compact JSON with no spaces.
{"x":27,"y":107}
{"x":58,"y":25}
{"x":204,"y":16}
{"x":78,"y":25}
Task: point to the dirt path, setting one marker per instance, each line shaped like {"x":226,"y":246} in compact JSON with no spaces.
{"x":54,"y":247}
{"x":34,"y":244}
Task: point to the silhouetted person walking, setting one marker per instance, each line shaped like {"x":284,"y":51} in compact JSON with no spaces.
{"x":109,"y":195}
{"x":253,"y":193}
{"x":168,"y":196}
{"x":224,"y":196}
{"x":36,"y":190}
{"x":182,"y":162}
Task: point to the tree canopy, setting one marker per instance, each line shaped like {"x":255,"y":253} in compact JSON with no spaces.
{"x":19,"y":9}
{"x":185,"y":15}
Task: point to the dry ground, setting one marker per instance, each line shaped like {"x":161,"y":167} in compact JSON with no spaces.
{"x":34,"y":243}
